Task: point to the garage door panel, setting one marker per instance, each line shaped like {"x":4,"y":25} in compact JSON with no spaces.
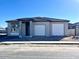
{"x":58,"y":29}
{"x":39,"y":30}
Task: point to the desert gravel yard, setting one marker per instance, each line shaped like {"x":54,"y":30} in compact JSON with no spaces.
{"x":41,"y":51}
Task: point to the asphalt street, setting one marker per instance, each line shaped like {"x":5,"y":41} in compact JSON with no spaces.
{"x":29,"y":52}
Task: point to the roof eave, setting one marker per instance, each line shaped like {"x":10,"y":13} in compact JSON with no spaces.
{"x":12,"y":21}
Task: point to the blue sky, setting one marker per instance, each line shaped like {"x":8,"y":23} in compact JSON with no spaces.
{"x":12,"y":9}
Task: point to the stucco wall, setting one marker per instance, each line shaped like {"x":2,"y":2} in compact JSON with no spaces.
{"x":8,"y":29}
{"x":71,"y":32}
{"x":66,"y":28}
{"x":23,"y":29}
{"x":77,"y":31}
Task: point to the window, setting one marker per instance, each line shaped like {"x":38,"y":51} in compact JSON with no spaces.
{"x":13,"y":30}
{"x":14,"y":26}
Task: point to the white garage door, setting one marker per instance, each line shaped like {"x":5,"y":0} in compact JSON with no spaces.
{"x":39,"y":30}
{"x":57,"y":29}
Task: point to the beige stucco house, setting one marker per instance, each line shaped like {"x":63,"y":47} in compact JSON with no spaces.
{"x":37,"y":26}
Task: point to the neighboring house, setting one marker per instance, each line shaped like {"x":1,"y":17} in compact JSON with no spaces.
{"x":37,"y":26}
{"x":3,"y":31}
{"x":77,"y":28}
{"x":71,"y":28}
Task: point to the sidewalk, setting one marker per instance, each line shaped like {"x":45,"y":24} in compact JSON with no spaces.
{"x":42,"y":42}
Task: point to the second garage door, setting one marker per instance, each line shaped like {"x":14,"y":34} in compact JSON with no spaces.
{"x":39,"y":30}
{"x":57,"y":29}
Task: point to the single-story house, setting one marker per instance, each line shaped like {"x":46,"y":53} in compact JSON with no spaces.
{"x":37,"y":26}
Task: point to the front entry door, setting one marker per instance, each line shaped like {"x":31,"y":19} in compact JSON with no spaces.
{"x":27,"y":28}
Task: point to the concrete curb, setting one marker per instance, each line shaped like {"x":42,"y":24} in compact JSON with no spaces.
{"x":42,"y":42}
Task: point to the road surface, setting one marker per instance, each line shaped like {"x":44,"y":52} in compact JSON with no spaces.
{"x":38,"y":52}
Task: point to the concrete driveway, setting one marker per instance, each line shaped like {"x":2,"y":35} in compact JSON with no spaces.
{"x":24,"y":51}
